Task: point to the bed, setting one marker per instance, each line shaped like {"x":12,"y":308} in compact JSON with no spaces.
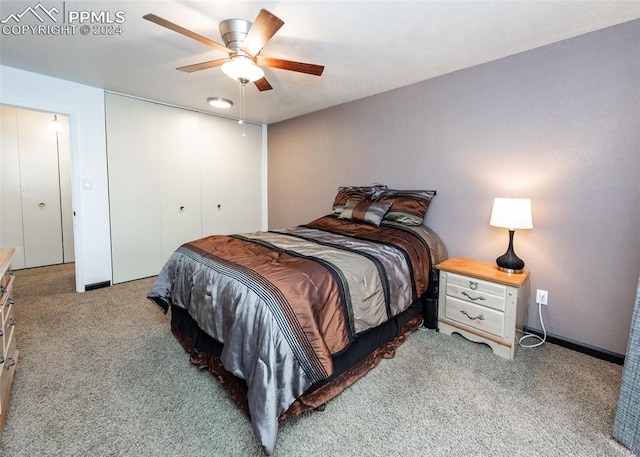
{"x":286,"y":319}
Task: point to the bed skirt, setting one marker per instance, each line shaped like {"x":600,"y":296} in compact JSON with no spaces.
{"x":349,"y":366}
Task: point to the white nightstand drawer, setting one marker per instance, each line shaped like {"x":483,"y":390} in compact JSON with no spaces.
{"x":479,"y":287}
{"x":476,"y":316}
{"x":479,"y":298}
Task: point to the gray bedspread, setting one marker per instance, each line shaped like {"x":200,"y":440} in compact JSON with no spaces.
{"x":283,"y":302}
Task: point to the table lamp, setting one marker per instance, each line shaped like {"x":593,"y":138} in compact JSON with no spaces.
{"x":512,"y":214}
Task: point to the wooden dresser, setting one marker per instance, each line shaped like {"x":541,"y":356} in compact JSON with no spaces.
{"x":8,"y":351}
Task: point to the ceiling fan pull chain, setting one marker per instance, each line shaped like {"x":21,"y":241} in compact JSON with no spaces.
{"x":241,"y":95}
{"x":243,"y":83}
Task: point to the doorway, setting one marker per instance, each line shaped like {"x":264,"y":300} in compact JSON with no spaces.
{"x":36,"y":215}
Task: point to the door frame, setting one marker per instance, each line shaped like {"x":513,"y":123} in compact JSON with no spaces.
{"x":76,"y":180}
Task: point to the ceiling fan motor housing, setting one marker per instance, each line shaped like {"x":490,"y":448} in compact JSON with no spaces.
{"x":234,"y":32}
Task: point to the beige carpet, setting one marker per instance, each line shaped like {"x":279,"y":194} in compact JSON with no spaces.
{"x":100,"y":374}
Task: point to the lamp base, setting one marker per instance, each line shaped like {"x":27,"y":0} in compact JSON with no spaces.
{"x":509,"y":262}
{"x":510,"y":270}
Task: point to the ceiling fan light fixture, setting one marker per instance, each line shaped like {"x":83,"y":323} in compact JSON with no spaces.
{"x":242,"y":67}
{"x":218,"y":102}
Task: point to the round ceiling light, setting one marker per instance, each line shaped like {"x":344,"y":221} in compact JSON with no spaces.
{"x":218,"y":102}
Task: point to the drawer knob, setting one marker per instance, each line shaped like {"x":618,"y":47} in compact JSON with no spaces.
{"x":11,"y":321}
{"x":473,"y":285}
{"x":10,"y":362}
{"x":479,"y":317}
{"x":2,"y":290}
{"x":1,"y":332}
{"x":1,"y":358}
{"x":472,"y":298}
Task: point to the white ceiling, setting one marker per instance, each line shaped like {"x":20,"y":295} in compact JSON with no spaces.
{"x":367,"y":47}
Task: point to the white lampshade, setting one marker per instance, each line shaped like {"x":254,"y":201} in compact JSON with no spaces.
{"x":511,"y":213}
{"x":242,"y":67}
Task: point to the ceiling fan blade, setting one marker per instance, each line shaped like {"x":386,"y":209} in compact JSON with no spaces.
{"x":188,"y":33}
{"x":262,"y":84}
{"x":202,"y":65}
{"x":300,"y":67}
{"x":263,"y":28}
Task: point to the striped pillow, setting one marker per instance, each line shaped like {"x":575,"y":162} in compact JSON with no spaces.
{"x":356,"y":193}
{"x":365,"y":211}
{"x":407,"y":206}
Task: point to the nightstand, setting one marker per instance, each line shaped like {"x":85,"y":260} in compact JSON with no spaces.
{"x":482,"y":303}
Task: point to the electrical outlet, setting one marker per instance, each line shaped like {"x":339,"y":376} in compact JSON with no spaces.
{"x":542,"y":296}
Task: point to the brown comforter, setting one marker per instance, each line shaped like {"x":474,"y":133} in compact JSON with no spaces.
{"x":283,"y":302}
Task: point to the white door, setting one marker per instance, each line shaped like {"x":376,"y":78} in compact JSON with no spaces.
{"x":134,"y":184}
{"x":179,"y":168}
{"x":40,"y":186}
{"x":231,"y":167}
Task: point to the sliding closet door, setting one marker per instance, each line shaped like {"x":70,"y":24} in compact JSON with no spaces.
{"x":175,"y":176}
{"x":231,"y":176}
{"x":179,"y":173}
{"x":134,"y":184}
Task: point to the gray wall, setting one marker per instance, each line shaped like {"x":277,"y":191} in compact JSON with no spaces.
{"x":559,"y":124}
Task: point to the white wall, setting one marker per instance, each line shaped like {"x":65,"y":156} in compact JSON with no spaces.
{"x":85,"y":107}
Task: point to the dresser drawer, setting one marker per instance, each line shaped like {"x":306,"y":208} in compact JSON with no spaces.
{"x":6,"y":279}
{"x":8,"y":333}
{"x":476,"y":316}
{"x":7,"y":367}
{"x":8,"y":350}
{"x":6,"y":317}
{"x":5,"y":288}
{"x":476,"y":291}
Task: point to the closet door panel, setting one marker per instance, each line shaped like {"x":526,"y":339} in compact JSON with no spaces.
{"x":231,"y":176}
{"x":179,"y":172}
{"x":10,"y":195}
{"x":134,"y":201}
{"x":42,"y":223}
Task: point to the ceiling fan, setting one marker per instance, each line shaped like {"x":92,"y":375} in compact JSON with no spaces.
{"x":243,"y":42}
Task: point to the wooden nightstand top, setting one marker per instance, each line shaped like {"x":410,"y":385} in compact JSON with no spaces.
{"x":483,"y":270}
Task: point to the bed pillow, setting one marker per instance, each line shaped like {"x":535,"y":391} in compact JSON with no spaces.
{"x":365,"y":211}
{"x":407,"y":206}
{"x":356,"y":193}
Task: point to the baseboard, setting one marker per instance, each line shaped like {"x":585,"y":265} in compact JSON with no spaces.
{"x":581,"y":347}
{"x":97,"y":285}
